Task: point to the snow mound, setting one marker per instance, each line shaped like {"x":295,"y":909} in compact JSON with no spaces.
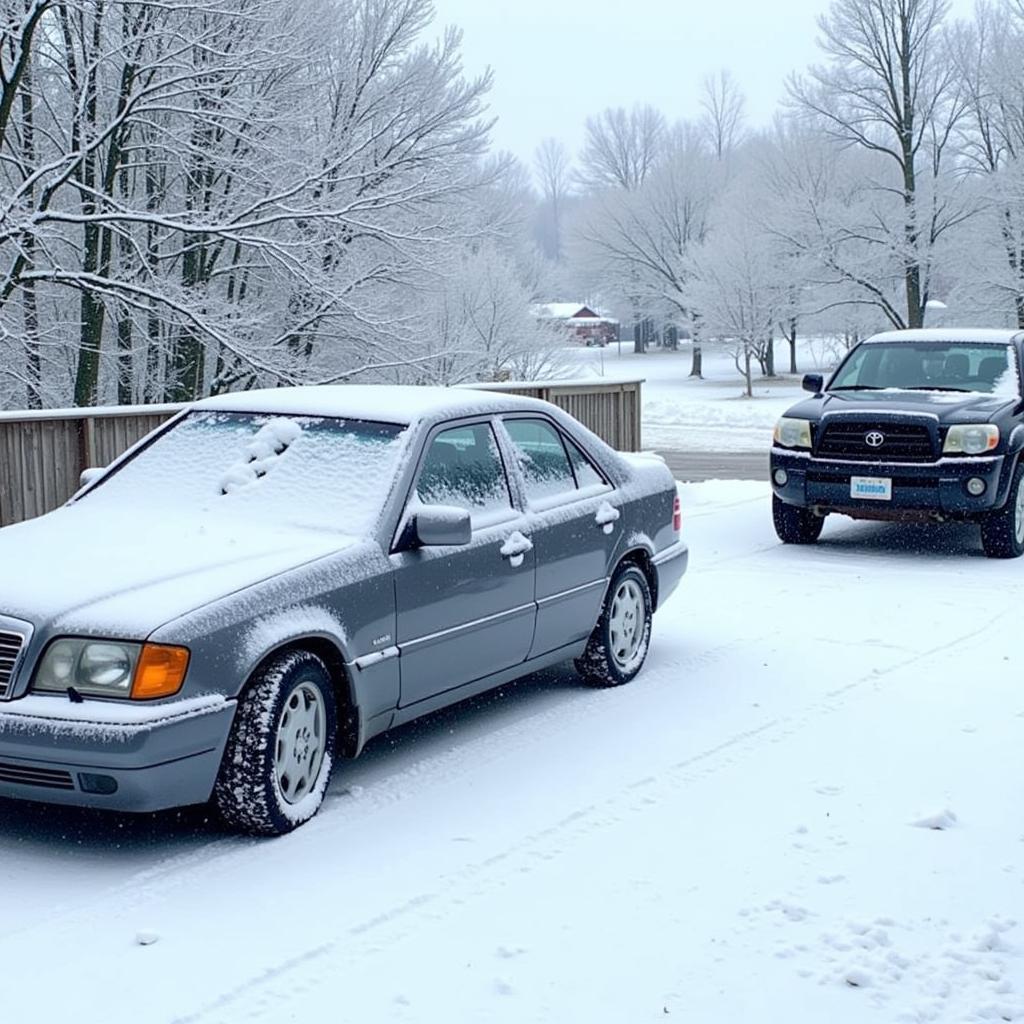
{"x":269,"y":442}
{"x":938,"y":822}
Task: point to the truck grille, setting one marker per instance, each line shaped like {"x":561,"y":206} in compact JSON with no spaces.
{"x":901,"y":442}
{"x":47,"y":778}
{"x":10,"y":651}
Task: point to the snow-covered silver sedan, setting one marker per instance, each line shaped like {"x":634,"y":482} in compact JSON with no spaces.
{"x":274,"y":577}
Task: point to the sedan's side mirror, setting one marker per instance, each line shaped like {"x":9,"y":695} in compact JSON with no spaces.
{"x":813,"y":382}
{"x":439,"y":525}
{"x":88,"y":475}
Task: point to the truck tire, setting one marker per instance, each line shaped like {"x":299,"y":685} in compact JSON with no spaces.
{"x":278,"y":758}
{"x":795,"y":525}
{"x":1002,"y":532}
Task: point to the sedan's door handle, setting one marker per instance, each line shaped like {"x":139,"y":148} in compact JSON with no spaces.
{"x":606,"y":517}
{"x":515,"y":548}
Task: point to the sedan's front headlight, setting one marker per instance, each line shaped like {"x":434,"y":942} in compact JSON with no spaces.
{"x":793,"y":433}
{"x":110,"y":668}
{"x":971,"y":439}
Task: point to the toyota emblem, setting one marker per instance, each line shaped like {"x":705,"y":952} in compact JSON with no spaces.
{"x":874,"y":439}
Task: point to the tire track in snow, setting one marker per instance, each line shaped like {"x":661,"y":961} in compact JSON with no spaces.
{"x":476,"y":879}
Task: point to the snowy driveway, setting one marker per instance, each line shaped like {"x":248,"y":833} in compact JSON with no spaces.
{"x":730,"y":838}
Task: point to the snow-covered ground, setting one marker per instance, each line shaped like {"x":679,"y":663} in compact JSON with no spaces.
{"x":806,"y":808}
{"x":709,"y":415}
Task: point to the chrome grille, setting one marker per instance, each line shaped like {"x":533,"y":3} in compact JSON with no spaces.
{"x":10,"y":651}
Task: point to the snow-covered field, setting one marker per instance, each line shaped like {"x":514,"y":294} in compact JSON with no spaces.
{"x":708,"y":415}
{"x":807,"y":808}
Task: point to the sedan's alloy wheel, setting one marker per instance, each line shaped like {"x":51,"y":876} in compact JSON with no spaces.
{"x":625,"y":623}
{"x":299,"y":745}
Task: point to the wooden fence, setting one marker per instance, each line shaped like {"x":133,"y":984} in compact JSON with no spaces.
{"x":42,"y":454}
{"x":610,"y":409}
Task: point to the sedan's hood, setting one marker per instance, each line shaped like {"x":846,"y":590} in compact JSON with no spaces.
{"x":948,"y":406}
{"x":111,"y":573}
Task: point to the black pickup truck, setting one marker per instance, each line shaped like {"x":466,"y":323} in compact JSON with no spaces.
{"x":924,"y":425}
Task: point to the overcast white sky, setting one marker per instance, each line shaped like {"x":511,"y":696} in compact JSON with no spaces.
{"x":556,"y":61}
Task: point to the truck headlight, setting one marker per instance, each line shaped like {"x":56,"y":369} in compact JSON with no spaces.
{"x":112,"y":668}
{"x":793,"y":433}
{"x":971,"y":439}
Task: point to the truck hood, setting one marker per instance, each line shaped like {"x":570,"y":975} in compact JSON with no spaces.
{"x":948,"y":406}
{"x":117,"y":574}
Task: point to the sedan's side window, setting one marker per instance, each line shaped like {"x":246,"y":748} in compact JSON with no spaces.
{"x":586,"y":474}
{"x":462,"y":467}
{"x":542,"y":456}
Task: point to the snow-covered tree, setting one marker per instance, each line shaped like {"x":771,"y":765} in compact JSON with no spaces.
{"x":723,"y":104}
{"x":737,"y":282}
{"x":621,"y":147}
{"x":890,"y":90}
{"x":638,"y":241}
{"x":223,"y":193}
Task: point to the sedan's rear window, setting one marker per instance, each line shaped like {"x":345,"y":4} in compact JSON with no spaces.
{"x":310,"y":470}
{"x":930,"y":366}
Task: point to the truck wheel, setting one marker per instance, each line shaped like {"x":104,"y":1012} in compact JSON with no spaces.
{"x":795,"y":525}
{"x":617,"y":648}
{"x":279,"y":755}
{"x":1002,"y":532}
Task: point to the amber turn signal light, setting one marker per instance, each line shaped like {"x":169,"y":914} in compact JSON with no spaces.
{"x":160,"y":671}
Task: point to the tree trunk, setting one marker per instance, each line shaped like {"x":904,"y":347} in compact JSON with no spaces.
{"x":746,"y":370}
{"x":154,"y":197}
{"x":125,"y":362}
{"x":912,"y":268}
{"x":791,"y":338}
{"x":638,"y":337}
{"x":33,"y":363}
{"x":30,"y":308}
{"x":125,"y":327}
{"x":697,"y":361}
{"x":769,"y":355}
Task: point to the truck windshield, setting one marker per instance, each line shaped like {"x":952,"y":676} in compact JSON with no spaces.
{"x":315,"y":471}
{"x":930,"y":366}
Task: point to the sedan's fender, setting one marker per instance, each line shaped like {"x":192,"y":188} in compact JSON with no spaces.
{"x":286,"y":628}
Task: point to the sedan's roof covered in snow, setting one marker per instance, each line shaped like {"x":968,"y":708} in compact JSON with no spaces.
{"x":388,"y":403}
{"x":955,"y":335}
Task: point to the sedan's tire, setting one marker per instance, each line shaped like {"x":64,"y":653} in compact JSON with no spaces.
{"x":279,"y":755}
{"x":1002,"y":532}
{"x":617,"y":648}
{"x":795,"y":525}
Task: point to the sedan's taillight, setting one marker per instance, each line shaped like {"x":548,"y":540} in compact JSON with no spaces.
{"x":677,"y":515}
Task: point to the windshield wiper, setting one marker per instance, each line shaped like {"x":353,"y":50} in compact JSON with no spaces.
{"x":857,"y":387}
{"x":934,"y":387}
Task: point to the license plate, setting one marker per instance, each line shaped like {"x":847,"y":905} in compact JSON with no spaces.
{"x":878,"y":488}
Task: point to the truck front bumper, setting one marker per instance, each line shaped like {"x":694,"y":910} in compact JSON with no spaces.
{"x":919,"y":490}
{"x":114,"y":755}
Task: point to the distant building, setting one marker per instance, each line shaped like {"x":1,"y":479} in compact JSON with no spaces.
{"x":580,"y":322}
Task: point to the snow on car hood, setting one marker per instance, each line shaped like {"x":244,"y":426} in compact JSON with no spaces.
{"x":123,"y":573}
{"x":949,"y":406}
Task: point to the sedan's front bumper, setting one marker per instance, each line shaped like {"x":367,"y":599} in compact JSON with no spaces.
{"x":114,"y":755}
{"x":936,"y":489}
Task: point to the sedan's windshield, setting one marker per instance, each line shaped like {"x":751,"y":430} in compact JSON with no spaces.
{"x":930,"y":366}
{"x":286,"y":469}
